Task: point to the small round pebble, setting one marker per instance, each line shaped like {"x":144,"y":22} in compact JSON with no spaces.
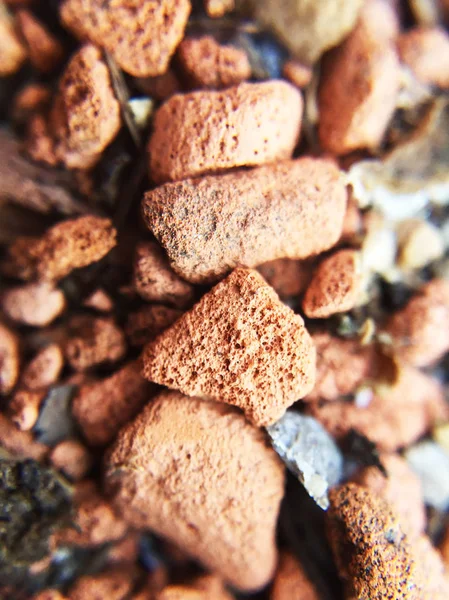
{"x":72,"y":458}
{"x":44,"y":368}
{"x":35,"y":304}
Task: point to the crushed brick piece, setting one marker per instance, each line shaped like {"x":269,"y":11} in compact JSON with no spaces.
{"x":9,"y":359}
{"x":141,"y":36}
{"x":116,"y":584}
{"x":288,"y":277}
{"x":241,"y":345}
{"x":85,"y":116}
{"x":99,"y":301}
{"x":335,"y":285}
{"x":297,"y":73}
{"x":420,"y":331}
{"x":36,"y":304}
{"x":374,"y":557}
{"x":148,"y":322}
{"x":197,"y":473}
{"x":44,"y":50}
{"x":402,"y":489}
{"x":342,"y":366}
{"x":32,"y":98}
{"x":44,"y":369}
{"x":291,"y":582}
{"x":23,"y":409}
{"x":426,"y":52}
{"x":72,"y":458}
{"x":357,"y":93}
{"x":19,"y":443}
{"x":394,"y":418}
{"x":93,"y":341}
{"x":69,"y":245}
{"x":250,"y":124}
{"x":103,"y":407}
{"x":154,"y":279}
{"x":12,"y":51}
{"x":218,"y":8}
{"x":208,"y":64}
{"x":208,"y":226}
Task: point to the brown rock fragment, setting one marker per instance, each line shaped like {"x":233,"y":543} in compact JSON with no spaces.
{"x":197,"y":473}
{"x":208,"y":226}
{"x":44,"y":369}
{"x":288,"y":277}
{"x":154,"y":279}
{"x":116,"y":584}
{"x":335,"y":285}
{"x":207,"y":64}
{"x":249,"y":124}
{"x":160,"y":87}
{"x":218,"y":8}
{"x":32,"y":98}
{"x":39,"y":143}
{"x":291,"y":582}
{"x":72,"y":458}
{"x":420,"y":331}
{"x":85,"y":116}
{"x":19,"y":443}
{"x":44,"y":50}
{"x":23,"y":409}
{"x":9,"y":359}
{"x":148,"y":322}
{"x":426,"y":51}
{"x":99,"y":301}
{"x":69,"y":245}
{"x":141,"y":36}
{"x":103,"y":407}
{"x":297,"y":73}
{"x":36,"y":304}
{"x":12,"y":50}
{"x":208,"y":587}
{"x":239,"y":345}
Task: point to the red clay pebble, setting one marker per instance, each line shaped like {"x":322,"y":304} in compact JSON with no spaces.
{"x":69,"y":245}
{"x":288,"y":277}
{"x":140,"y":35}
{"x":23,"y":409}
{"x":93,"y":341}
{"x":291,"y":582}
{"x":12,"y":50}
{"x":44,"y":368}
{"x":20,"y":443}
{"x":335,"y":285}
{"x":218,"y":8}
{"x":401,"y":489}
{"x":394,"y":418}
{"x":299,"y":74}
{"x":9,"y":359}
{"x":374,"y":556}
{"x":420,"y":331}
{"x":102,"y":407}
{"x":148,"y":322}
{"x":197,"y":473}
{"x":155,"y":281}
{"x":426,"y":52}
{"x":45,"y":52}
{"x":72,"y":458}
{"x":36,"y":304}
{"x":85,"y":116}
{"x":208,"y":64}
{"x":116,"y":584}
{"x":210,"y":131}
{"x":208,"y":226}
{"x":241,"y":345}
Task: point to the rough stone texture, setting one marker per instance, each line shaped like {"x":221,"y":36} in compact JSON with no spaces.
{"x":288,"y":277}
{"x":210,"y":131}
{"x":19,"y":443}
{"x":85,"y":116}
{"x":341,"y":366}
{"x":420,"y":331}
{"x":208,"y":64}
{"x":218,"y":8}
{"x":374,"y":556}
{"x":9,"y":359}
{"x":208,"y":226}
{"x":155,"y":281}
{"x":426,"y":52}
{"x":23,"y":408}
{"x":141,"y":36}
{"x":401,"y":489}
{"x":291,"y":582}
{"x":297,"y":73}
{"x":69,"y":245}
{"x":148,"y":322}
{"x":93,"y":341}
{"x":101,"y":408}
{"x":197,"y":473}
{"x":12,"y":51}
{"x":45,"y":52}
{"x":357,"y":92}
{"x":72,"y":458}
{"x":115,"y":584}
{"x":335,"y":285}
{"x":36,"y":304}
{"x":239,"y":345}
{"x":44,"y":368}
{"x":394,"y":418}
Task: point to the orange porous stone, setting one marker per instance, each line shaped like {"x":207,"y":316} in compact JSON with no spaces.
{"x":44,"y":369}
{"x":148,"y":322}
{"x":141,"y":35}
{"x":197,"y":473}
{"x":12,"y":50}
{"x":69,"y":245}
{"x":9,"y":359}
{"x":426,"y":52}
{"x":101,"y":408}
{"x":116,"y":584}
{"x":218,"y":8}
{"x":44,"y":50}
{"x":335,"y":285}
{"x":250,"y":124}
{"x":420,"y":331}
{"x":154,"y":279}
{"x":297,"y":73}
{"x":208,"y":64}
{"x":241,"y":345}
{"x":85,"y":116}
{"x":72,"y":458}
{"x":287,"y":276}
{"x":23,"y":409}
{"x":36,"y":304}
{"x":208,"y":226}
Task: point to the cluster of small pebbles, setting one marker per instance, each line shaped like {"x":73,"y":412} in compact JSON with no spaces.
{"x":224,"y":300}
